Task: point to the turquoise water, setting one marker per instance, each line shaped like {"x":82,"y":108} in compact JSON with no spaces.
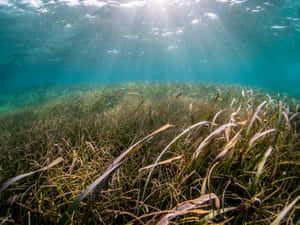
{"x":248,"y":42}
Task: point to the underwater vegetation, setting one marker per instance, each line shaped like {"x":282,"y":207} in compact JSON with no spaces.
{"x":152,"y":153}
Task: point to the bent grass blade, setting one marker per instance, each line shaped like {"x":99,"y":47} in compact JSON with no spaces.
{"x":15,"y":179}
{"x":115,"y":165}
{"x":188,"y":207}
{"x":261,"y":165}
{"x":167,"y":147}
{"x":259,"y":108}
{"x":161,"y":163}
{"x":284,"y":212}
{"x":210,"y":136}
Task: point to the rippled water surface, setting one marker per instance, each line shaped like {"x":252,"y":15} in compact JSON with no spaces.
{"x":249,"y":42}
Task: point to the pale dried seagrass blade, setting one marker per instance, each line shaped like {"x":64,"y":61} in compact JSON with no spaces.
{"x":284,"y":212}
{"x":167,"y":147}
{"x":97,"y":184}
{"x":294,"y":116}
{"x":226,"y":149}
{"x":206,"y":181}
{"x":229,"y":146}
{"x":259,"y":108}
{"x":163,"y":128}
{"x":259,"y":135}
{"x":52,"y":164}
{"x":210,"y":136}
{"x":187,"y":207}
{"x":217,"y":115}
{"x":261,"y":165}
{"x":15,"y":179}
{"x":179,"y":136}
{"x":137,"y":144}
{"x":214,"y":214}
{"x":161,"y":163}
{"x":286,"y":117}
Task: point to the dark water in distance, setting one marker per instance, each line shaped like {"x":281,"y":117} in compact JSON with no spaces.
{"x":249,"y":42}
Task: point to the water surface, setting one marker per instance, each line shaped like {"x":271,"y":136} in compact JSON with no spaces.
{"x":249,"y":42}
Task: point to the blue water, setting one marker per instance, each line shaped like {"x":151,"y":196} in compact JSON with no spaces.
{"x":248,"y":42}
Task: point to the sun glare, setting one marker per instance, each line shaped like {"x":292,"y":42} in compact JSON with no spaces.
{"x":159,"y":2}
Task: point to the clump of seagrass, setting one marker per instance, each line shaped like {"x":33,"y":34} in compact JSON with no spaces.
{"x":15,"y":179}
{"x":97,"y":184}
{"x":232,"y":157}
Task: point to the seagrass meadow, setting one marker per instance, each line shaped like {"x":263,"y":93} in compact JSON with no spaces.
{"x":150,"y":153}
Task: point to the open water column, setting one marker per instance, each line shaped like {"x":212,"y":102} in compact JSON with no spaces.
{"x":149,"y":112}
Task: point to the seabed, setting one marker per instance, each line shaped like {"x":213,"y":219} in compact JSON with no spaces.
{"x":149,"y":153}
